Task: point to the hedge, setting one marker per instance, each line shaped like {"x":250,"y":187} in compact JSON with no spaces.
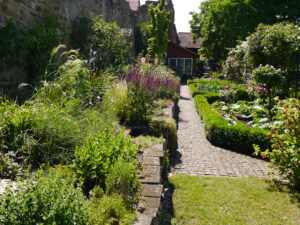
{"x":239,"y":137}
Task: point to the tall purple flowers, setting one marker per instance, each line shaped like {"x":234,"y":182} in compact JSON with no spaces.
{"x":159,"y":86}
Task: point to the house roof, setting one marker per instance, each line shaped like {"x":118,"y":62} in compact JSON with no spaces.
{"x":134,"y":4}
{"x":176,"y":51}
{"x":186,"y":40}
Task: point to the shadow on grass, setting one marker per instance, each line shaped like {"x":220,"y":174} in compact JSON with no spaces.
{"x":276,"y":186}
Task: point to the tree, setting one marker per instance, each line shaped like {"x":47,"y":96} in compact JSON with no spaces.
{"x":222,"y":23}
{"x":158,"y":41}
{"x":110,"y":46}
{"x":142,"y":35}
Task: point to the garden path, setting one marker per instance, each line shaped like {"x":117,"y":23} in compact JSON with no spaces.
{"x":195,"y":155}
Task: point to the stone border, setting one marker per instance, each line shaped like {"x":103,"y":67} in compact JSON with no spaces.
{"x":153,"y":177}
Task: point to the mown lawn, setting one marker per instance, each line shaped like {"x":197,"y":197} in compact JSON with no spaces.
{"x":211,"y":200}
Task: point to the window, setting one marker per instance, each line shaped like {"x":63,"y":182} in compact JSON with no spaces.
{"x":183,"y":66}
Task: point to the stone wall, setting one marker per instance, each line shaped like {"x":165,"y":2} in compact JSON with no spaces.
{"x":30,"y":12}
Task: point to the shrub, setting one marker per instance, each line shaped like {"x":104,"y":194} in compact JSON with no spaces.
{"x":241,"y":95}
{"x":48,"y":198}
{"x":285,"y":138}
{"x":123,"y":179}
{"x":238,"y":137}
{"x":110,"y":209}
{"x":164,"y":126}
{"x":110,"y":46}
{"x":8,"y":167}
{"x":32,"y":49}
{"x":38,"y":133}
{"x":72,"y":79}
{"x":117,"y":97}
{"x":94,"y":160}
{"x":269,"y":78}
{"x":235,"y":67}
{"x":144,"y":89}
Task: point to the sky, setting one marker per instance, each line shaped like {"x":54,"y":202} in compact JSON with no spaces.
{"x":182,"y":10}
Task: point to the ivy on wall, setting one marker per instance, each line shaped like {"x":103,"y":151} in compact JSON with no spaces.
{"x":31,"y":49}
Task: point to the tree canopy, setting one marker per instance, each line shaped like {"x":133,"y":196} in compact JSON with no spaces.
{"x":160,"y":20}
{"x":222,"y":23}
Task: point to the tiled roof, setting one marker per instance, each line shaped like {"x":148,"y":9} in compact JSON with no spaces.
{"x":186,"y":40}
{"x":134,"y":4}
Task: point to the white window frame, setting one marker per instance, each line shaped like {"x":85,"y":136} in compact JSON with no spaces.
{"x":191,"y":72}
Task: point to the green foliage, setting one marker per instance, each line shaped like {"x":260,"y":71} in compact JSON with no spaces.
{"x":94,"y":160}
{"x":241,"y":95}
{"x":238,"y":137}
{"x":117,"y":97}
{"x":159,"y":24}
{"x":70,"y":78}
{"x":144,"y":88}
{"x":38,"y":133}
{"x":236,"y":66}
{"x":48,"y":198}
{"x":110,"y":209}
{"x":164,"y":126}
{"x":32,"y":49}
{"x":222,"y":23}
{"x":8,"y":167}
{"x":110,"y":46}
{"x":285,"y":138}
{"x":142,"y":35}
{"x":276,"y":45}
{"x":269,"y":78}
{"x":123,"y":180}
{"x":11,"y":41}
{"x":146,"y":141}
{"x":80,"y":36}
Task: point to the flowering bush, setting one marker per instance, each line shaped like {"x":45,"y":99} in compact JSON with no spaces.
{"x":227,"y":93}
{"x":235,"y":65}
{"x":285,"y":138}
{"x":144,"y":88}
{"x":268,"y":78}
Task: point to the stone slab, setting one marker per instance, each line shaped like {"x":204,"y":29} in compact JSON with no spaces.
{"x":154,"y":161}
{"x":152,"y":190}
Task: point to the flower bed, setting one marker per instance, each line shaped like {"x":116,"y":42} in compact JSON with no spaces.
{"x":238,"y":137}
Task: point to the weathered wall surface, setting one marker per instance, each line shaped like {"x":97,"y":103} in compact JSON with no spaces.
{"x":30,"y":12}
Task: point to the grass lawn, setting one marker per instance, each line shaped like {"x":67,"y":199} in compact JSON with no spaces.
{"x":211,"y":200}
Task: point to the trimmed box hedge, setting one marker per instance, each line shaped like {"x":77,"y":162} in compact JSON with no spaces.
{"x":239,"y":137}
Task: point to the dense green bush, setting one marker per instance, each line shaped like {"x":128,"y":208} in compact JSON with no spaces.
{"x":110,"y":46}
{"x":269,"y":78}
{"x":38,"y":133}
{"x":241,"y":95}
{"x":285,"y":138}
{"x":72,"y":80}
{"x":235,"y":67}
{"x":94,"y":160}
{"x":164,"y":126}
{"x":48,"y":198}
{"x":123,"y":179}
{"x":30,"y":50}
{"x":236,"y":137}
{"x":110,"y":209}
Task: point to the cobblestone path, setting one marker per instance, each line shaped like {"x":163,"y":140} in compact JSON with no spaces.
{"x":195,"y":154}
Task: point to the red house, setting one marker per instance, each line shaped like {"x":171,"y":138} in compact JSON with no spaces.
{"x":183,"y":58}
